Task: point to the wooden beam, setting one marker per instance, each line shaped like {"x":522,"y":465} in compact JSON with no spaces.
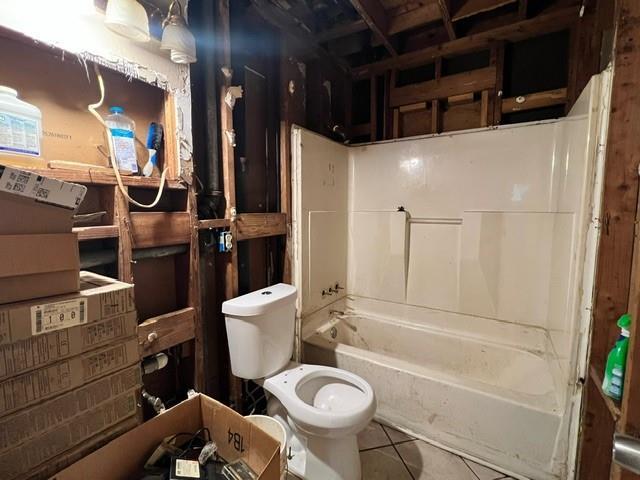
{"x":279,"y":19}
{"x":446,"y":18}
{"x":193,"y":295}
{"x":100,"y":177}
{"x":414,"y":18}
{"x":474,"y":7}
{"x":214,"y":223}
{"x":165,"y":331}
{"x":497,"y":60}
{"x":158,"y":229}
{"x":396,"y":123}
{"x":343,"y":30}
{"x":436,"y":113}
{"x":97,"y":232}
{"x":125,"y":270}
{"x":260,"y":225}
{"x":460,"y":99}
{"x":534,"y":100}
{"x":374,"y":14}
{"x":413,"y":107}
{"x":522,"y":9}
{"x":472,"y":81}
{"x":547,"y":23}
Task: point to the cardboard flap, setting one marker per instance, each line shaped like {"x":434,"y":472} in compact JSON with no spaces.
{"x":31,"y":254}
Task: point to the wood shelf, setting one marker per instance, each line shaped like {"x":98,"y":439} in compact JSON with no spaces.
{"x":165,"y":331}
{"x":214,"y":223}
{"x":612,"y":405}
{"x":97,"y":232}
{"x":102,"y":178}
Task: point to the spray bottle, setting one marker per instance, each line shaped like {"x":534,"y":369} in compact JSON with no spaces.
{"x":616,"y":361}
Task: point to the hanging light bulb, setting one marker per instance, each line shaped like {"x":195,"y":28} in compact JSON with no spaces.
{"x":177,"y":38}
{"x":128,"y":18}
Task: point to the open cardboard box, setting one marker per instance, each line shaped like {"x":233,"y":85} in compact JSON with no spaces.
{"x":124,"y":457}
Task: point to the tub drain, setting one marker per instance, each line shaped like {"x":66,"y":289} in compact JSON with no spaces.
{"x":333,"y":332}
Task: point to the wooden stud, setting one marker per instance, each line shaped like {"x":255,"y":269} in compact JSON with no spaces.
{"x":436,"y":114}
{"x":388,"y":113}
{"x":497,"y":61}
{"x":171,"y":150}
{"x":460,"y":99}
{"x":484,"y":108}
{"x":413,"y":107}
{"x":125,"y":271}
{"x":194,"y":293}
{"x":396,"y":123}
{"x":373,"y":108}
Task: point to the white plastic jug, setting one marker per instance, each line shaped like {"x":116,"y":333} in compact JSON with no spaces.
{"x":20,"y":125}
{"x":124,"y":139}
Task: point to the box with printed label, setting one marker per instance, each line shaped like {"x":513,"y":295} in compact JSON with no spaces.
{"x":16,"y":462}
{"x":99,"y":297}
{"x":233,"y":434}
{"x":39,"y":350}
{"x":33,"y":203}
{"x":38,"y":265}
{"x":17,"y":428}
{"x":60,"y":377}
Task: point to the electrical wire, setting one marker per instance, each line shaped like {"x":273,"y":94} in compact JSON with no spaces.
{"x":93,"y":110}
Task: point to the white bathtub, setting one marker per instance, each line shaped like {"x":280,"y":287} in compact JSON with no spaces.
{"x":493,"y":401}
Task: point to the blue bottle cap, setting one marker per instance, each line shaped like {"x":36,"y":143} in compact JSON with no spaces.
{"x":116,"y":110}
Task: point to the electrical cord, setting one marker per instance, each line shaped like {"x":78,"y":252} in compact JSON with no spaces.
{"x":93,"y":110}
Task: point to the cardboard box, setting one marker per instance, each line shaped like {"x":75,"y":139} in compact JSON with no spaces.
{"x":235,"y":436}
{"x":32,"y":203}
{"x":26,"y":424}
{"x":40,"y":350}
{"x":18,"y":461}
{"x":33,"y":387}
{"x":99,"y":297}
{"x":57,"y":463}
{"x":33,"y":266}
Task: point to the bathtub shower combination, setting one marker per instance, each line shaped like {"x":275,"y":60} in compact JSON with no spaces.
{"x":455,"y":273}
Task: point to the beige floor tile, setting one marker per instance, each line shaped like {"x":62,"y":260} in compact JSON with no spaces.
{"x":427,"y":462}
{"x":383,"y":464}
{"x":372,"y":437}
{"x":482,"y":472}
{"x":396,"y":435}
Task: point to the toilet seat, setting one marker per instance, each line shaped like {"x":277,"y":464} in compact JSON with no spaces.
{"x":327,"y":398}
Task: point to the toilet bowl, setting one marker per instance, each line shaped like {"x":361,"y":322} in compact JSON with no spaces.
{"x":321,"y":408}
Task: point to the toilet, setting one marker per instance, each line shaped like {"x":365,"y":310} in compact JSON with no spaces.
{"x":321,"y":408}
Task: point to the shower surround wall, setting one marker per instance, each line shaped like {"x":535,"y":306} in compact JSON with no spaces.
{"x":463,"y":258}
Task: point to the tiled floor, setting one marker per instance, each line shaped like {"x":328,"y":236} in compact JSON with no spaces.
{"x":388,"y":454}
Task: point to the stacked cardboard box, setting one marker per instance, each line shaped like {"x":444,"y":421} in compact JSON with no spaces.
{"x":38,"y":253}
{"x":69,"y":361}
{"x":69,"y":371}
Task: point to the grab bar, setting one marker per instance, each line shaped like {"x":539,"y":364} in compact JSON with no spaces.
{"x":626,"y":452}
{"x":436,"y":221}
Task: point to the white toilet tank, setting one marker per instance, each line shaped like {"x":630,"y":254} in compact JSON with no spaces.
{"x":260,"y":330}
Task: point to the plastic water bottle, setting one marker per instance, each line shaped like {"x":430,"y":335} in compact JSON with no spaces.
{"x":123,"y":131}
{"x":20,"y":124}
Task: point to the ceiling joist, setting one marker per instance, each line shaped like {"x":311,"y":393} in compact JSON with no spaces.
{"x":546,"y":23}
{"x":446,"y":18}
{"x":343,"y":30}
{"x":414,"y":18}
{"x":374,"y":14}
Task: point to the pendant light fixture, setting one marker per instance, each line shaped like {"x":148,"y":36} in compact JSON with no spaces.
{"x":128,"y":18}
{"x":176,"y":36}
